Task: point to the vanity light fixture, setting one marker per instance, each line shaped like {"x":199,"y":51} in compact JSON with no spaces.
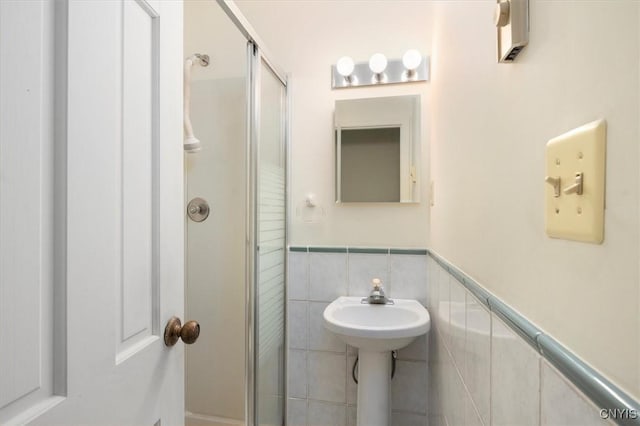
{"x":378,"y":70}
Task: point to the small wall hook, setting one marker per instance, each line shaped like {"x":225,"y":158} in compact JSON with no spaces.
{"x":555,"y":182}
{"x":310,"y":200}
{"x":576,"y":187}
{"x":204,"y":59}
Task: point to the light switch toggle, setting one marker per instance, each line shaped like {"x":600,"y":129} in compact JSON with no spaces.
{"x":576,"y":188}
{"x":555,"y":182}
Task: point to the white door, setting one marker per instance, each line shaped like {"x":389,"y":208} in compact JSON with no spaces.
{"x":91,"y":217}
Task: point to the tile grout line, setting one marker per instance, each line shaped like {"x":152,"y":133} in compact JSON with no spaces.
{"x":540,"y":390}
{"x":490,"y":420}
{"x":308,"y":329}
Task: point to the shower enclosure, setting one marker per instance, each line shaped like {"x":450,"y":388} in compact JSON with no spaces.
{"x":236,"y":257}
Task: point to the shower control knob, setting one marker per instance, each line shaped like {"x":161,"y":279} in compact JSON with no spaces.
{"x":198,"y":209}
{"x":175,"y":331}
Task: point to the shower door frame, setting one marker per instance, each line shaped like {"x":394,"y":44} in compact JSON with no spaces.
{"x":256,"y":57}
{"x":256,"y":54}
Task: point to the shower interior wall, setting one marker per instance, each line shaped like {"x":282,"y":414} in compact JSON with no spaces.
{"x":215,"y":263}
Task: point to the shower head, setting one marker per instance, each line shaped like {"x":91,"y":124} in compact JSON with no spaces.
{"x":192,"y":144}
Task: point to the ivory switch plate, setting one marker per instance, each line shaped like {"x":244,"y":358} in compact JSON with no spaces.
{"x":578,"y":217}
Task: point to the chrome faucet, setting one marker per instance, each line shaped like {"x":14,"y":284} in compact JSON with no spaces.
{"x":377,"y":296}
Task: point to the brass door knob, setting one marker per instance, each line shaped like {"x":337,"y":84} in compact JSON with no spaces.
{"x":174,"y":331}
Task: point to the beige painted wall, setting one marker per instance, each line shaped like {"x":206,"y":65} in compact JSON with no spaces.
{"x":306,"y":38}
{"x":490,"y":124}
{"x":487,"y":124}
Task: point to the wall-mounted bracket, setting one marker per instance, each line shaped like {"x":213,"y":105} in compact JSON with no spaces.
{"x":512,"y":22}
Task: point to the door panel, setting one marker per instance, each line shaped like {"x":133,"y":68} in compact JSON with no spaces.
{"x":26,"y":195}
{"x":139,"y":132}
{"x":118,"y":160}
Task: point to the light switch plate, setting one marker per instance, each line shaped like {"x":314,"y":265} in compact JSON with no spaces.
{"x":578,"y":217}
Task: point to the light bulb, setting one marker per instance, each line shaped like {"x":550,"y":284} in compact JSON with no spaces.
{"x":411,"y":59}
{"x":378,"y":63}
{"x":345,"y":66}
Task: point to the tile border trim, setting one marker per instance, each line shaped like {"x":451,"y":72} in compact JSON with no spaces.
{"x":422,"y":252}
{"x":368,"y":250}
{"x":359,"y":250}
{"x":327,"y":249}
{"x":596,"y":387}
{"x":298,"y":249}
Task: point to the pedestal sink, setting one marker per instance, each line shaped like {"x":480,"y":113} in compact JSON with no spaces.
{"x":375,"y":330}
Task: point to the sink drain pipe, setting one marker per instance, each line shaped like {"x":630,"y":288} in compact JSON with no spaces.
{"x":354,"y":372}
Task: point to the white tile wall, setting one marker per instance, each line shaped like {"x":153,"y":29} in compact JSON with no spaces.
{"x":296,"y":412}
{"x":297,"y":372}
{"x":480,"y":372}
{"x":407,"y":419}
{"x":321,"y":389}
{"x":504,"y":381}
{"x":352,"y":417}
{"x":321,"y":339}
{"x":457,"y":324}
{"x":435,"y":374}
{"x":297,"y":320}
{"x":408,"y":388}
{"x":471,"y":416}
{"x":561,"y":404}
{"x":455,"y":413}
{"x":515,"y":371}
{"x":325,"y":414}
{"x":326,"y":376}
{"x":327,"y":276}
{"x":407,"y":277}
{"x":477,"y":372}
{"x":444,"y":298}
{"x":365,"y":267}
{"x":416,"y":351}
{"x":298,"y":279}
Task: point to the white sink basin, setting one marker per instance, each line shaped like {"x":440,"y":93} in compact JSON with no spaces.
{"x":376,"y":328}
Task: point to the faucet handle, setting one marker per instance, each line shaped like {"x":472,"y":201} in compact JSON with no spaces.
{"x":377,"y":295}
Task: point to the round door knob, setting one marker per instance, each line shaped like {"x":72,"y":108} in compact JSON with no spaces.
{"x":174,"y":331}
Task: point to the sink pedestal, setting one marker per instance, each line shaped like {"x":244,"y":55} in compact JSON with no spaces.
{"x":374,"y":388}
{"x":376,"y":330}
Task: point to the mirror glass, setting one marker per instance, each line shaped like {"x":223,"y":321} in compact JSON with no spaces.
{"x":377,"y":148}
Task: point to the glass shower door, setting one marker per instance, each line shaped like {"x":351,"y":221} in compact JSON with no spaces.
{"x":269,"y":154}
